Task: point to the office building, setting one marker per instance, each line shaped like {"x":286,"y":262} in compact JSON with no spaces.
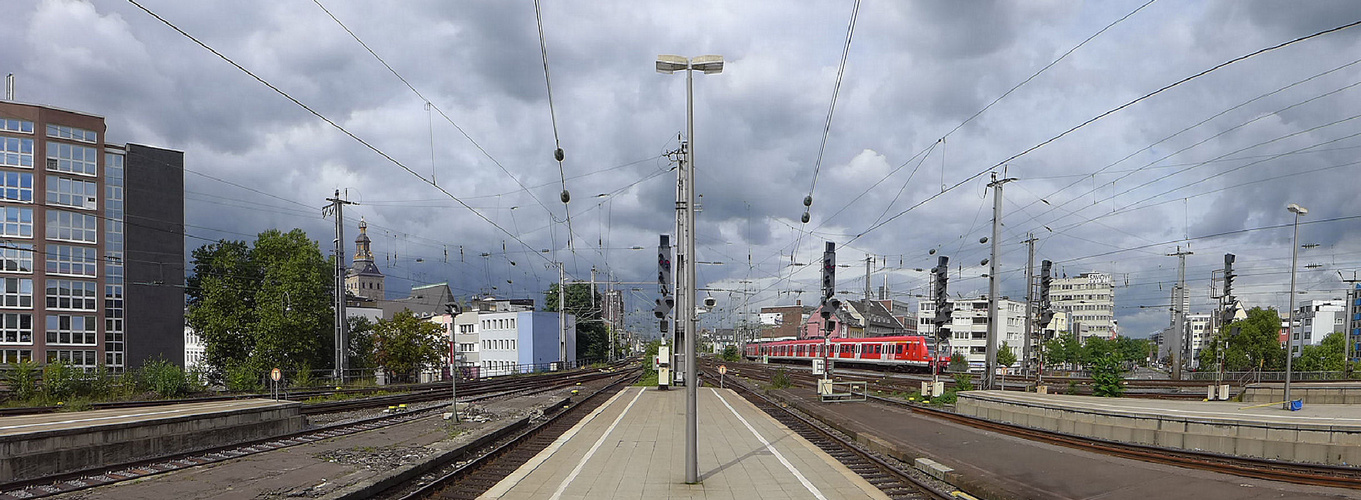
{"x":92,"y":243}
{"x":1089,"y":301}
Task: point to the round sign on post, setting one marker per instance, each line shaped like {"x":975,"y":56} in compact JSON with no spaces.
{"x":276,"y":375}
{"x":722,"y":369}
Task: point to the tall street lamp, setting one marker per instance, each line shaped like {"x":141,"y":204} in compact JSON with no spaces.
{"x":1290,"y":330}
{"x":709,"y":65}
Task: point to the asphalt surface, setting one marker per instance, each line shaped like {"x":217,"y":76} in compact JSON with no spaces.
{"x":1027,"y":469}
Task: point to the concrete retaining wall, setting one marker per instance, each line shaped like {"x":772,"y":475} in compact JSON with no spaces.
{"x":40,"y":454}
{"x":1295,"y":443}
{"x":1329,"y":394}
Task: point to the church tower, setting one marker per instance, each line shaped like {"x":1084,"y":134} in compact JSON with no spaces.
{"x":363,"y":279}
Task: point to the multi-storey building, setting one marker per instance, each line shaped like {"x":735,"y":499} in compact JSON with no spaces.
{"x":969,"y":327}
{"x":1354,"y":323}
{"x":521,"y":342}
{"x":1089,"y":300}
{"x":1316,"y":319}
{"x":106,"y":222}
{"x":1201,"y":330}
{"x":784,"y":322}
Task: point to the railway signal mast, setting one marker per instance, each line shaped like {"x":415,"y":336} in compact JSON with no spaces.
{"x":667,"y":302}
{"x":829,"y":307}
{"x":1046,"y":310}
{"x":939,"y":290}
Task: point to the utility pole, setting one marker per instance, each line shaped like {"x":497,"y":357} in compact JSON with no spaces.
{"x":1179,"y":312}
{"x":994,"y":283}
{"x":1353,"y":295}
{"x":1029,"y":301}
{"x":342,"y":324}
{"x":562,"y":316}
{"x":869,"y":260}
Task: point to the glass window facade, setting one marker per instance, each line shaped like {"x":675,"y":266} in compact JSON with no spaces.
{"x":20,"y":126}
{"x":16,"y":258}
{"x":16,"y":152}
{"x":71,"y":260}
{"x":113,"y":265}
{"x":71,"y":192}
{"x":78,"y":359}
{"x":16,"y":292}
{"x":71,"y":294}
{"x":16,"y":186}
{"x":72,"y":133}
{"x":70,"y":226}
{"x":67,"y":329}
{"x":72,"y":158}
{"x":16,"y":328}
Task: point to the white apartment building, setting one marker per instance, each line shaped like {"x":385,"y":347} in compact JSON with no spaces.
{"x":969,"y":327}
{"x":194,"y":350}
{"x":1202,"y":335}
{"x":466,"y":340}
{"x":1089,"y":300}
{"x":1316,"y":319}
{"x":521,"y":342}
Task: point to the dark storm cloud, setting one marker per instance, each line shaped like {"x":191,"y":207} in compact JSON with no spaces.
{"x":916,"y":70}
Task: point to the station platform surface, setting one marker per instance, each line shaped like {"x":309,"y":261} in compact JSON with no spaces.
{"x":1317,"y":433}
{"x":633,"y":446}
{"x":46,"y":422}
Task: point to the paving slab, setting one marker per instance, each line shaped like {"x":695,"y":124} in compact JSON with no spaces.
{"x":633,"y":446}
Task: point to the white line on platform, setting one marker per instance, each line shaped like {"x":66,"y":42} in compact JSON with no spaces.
{"x":503,"y":487}
{"x":803,"y":480}
{"x":577,"y":470}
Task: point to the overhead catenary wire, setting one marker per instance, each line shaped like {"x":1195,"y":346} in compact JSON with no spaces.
{"x":325,"y":119}
{"x":1111,"y":111}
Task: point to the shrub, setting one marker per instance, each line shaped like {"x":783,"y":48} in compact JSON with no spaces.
{"x":242,"y":377}
{"x":22,"y":379}
{"x":164,"y":378}
{"x":780,"y":380}
{"x":303,"y":377}
{"x":1106,"y":379}
{"x":732,"y":354}
{"x":963,"y":382}
{"x":61,"y":381}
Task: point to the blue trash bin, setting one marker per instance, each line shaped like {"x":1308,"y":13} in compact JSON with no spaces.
{"x":1297,"y":405}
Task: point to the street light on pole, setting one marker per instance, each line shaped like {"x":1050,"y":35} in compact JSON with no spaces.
{"x":709,"y":64}
{"x":1290,"y":329}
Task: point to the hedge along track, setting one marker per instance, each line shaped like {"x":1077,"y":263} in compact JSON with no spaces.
{"x":100,"y":476}
{"x":479,"y":474}
{"x":1334,"y":476}
{"x":889,"y":478}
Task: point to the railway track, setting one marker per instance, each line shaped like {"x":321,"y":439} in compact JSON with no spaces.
{"x":1307,"y":474}
{"x":894,"y":481}
{"x":79,"y":480}
{"x":474,"y":477}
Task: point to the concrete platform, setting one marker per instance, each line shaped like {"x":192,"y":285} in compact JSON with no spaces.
{"x":1336,"y":393}
{"x":633,"y":447}
{"x":34,"y":446}
{"x":1328,"y":434}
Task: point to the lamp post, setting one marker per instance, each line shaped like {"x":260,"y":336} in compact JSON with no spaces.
{"x":1290,"y":330}
{"x":710,"y":64}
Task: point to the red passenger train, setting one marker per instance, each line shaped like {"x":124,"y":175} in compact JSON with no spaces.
{"x":901,"y":352}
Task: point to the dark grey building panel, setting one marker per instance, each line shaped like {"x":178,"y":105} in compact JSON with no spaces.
{"x":154,"y":255}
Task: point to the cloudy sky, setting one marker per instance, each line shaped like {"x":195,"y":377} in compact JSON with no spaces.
{"x":934,"y":95}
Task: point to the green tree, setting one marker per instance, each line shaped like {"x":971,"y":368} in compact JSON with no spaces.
{"x":405,"y":344}
{"x":1063,"y":349}
{"x":1251,"y":343}
{"x":593,"y":341}
{"x":958,"y":363}
{"x":1328,"y":355}
{"x":1005,"y":356}
{"x":263,"y":306}
{"x":361,"y":343}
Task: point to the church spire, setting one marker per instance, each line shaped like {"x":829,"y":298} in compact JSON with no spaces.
{"x":361,"y":243}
